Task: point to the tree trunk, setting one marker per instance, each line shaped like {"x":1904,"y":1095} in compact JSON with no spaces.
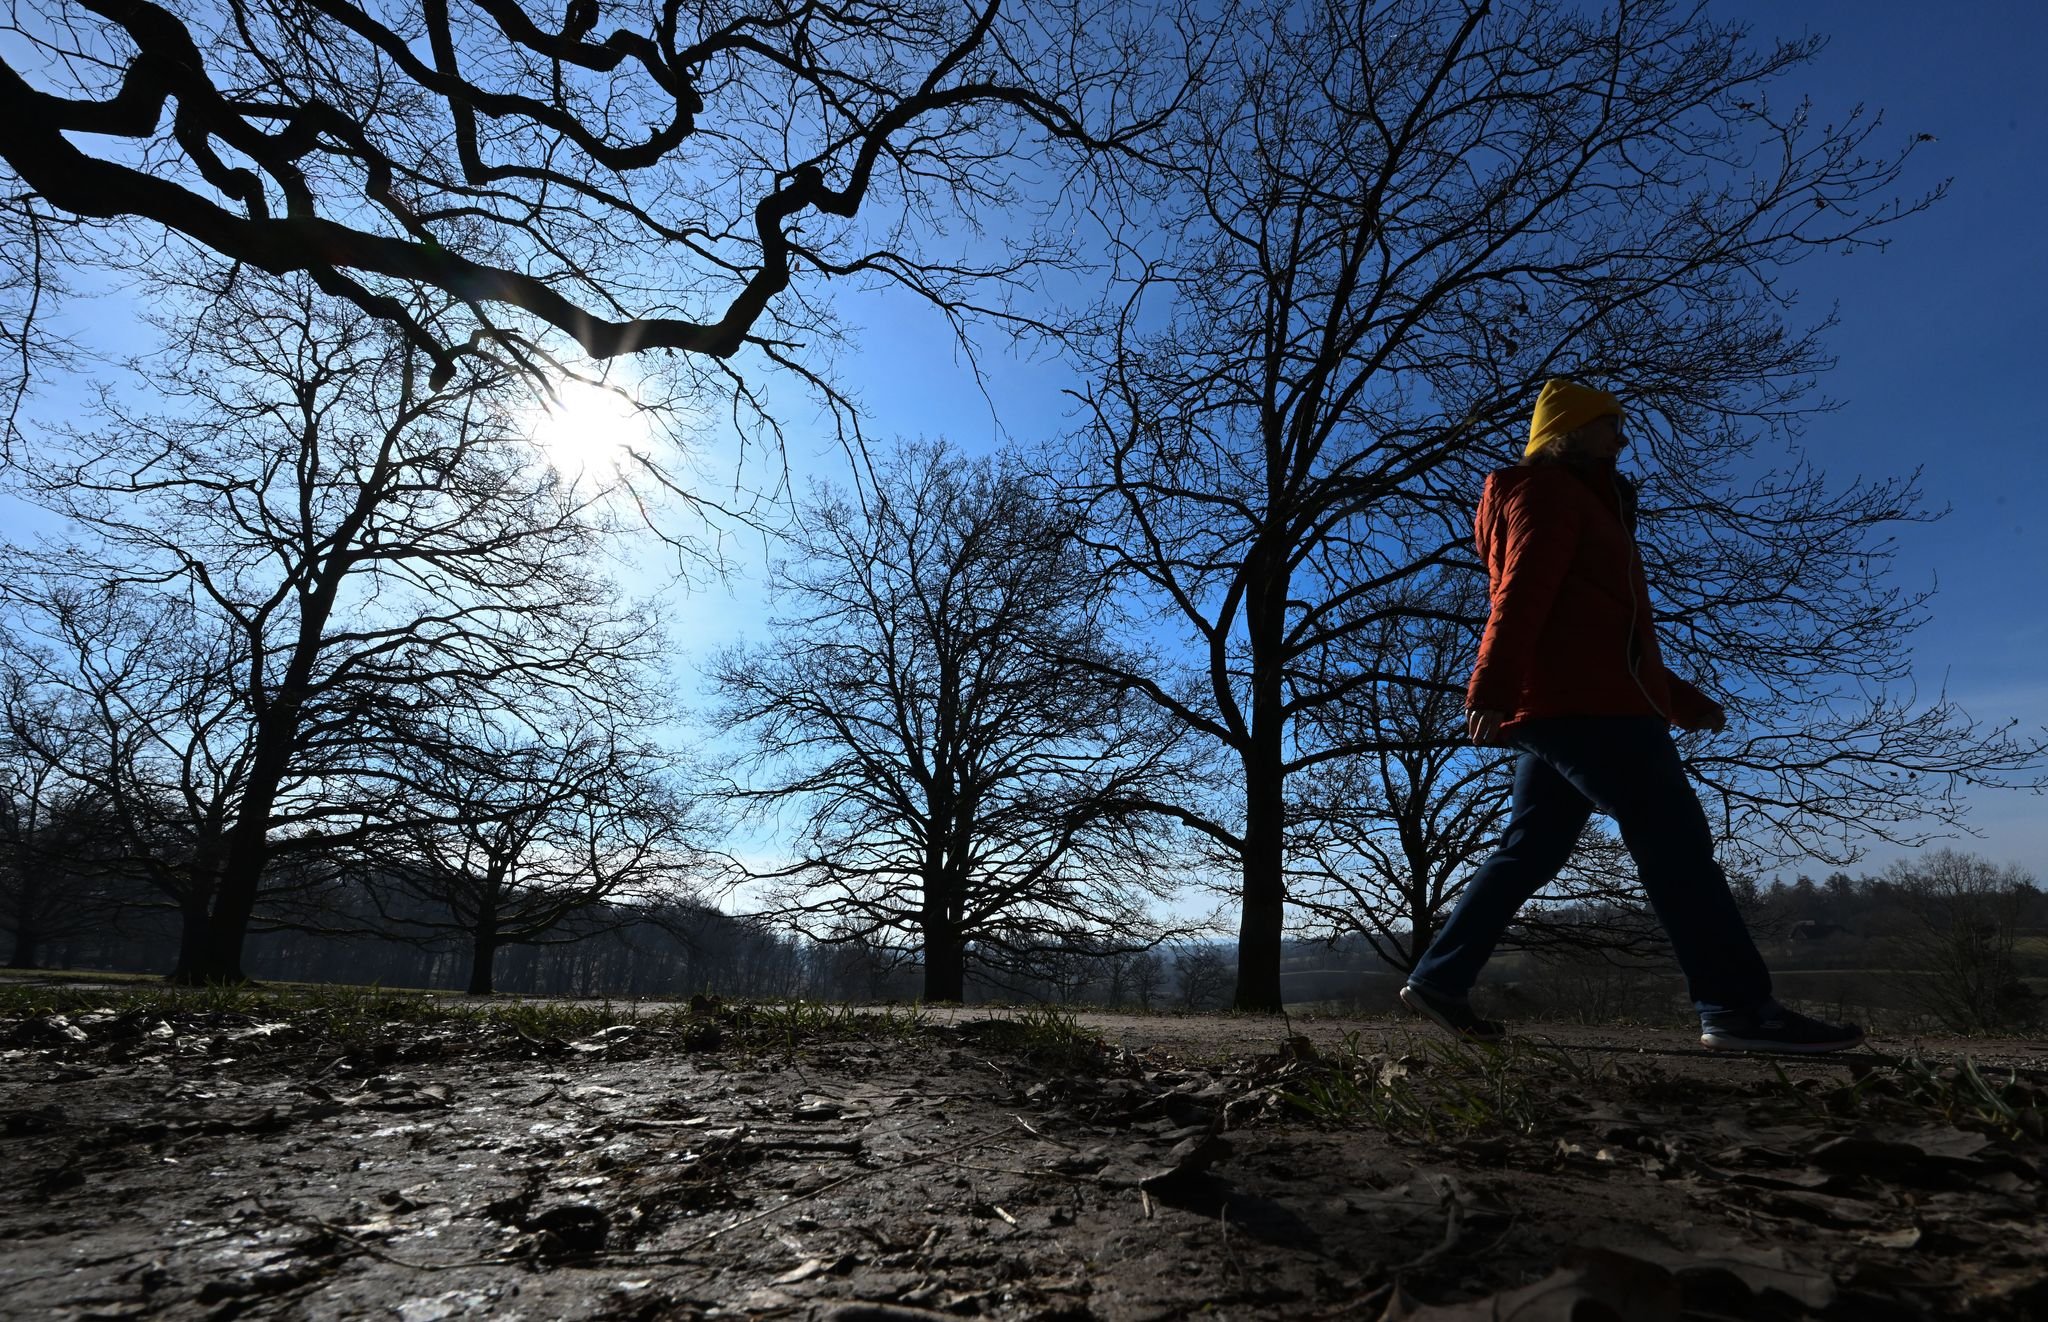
{"x":1265,"y":785}
{"x":241,"y":875}
{"x":945,"y":964}
{"x":1422,"y":923}
{"x":193,"y":934}
{"x":27,"y":946}
{"x":483,"y":932}
{"x":945,"y":952}
{"x":1264,"y":910}
{"x":28,"y":899}
{"x":483,"y":954}
{"x":248,"y":845}
{"x":218,"y":954}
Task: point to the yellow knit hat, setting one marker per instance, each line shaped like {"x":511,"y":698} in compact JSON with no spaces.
{"x":1565,"y":406}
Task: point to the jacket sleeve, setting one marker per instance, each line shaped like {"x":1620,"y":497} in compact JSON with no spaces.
{"x":1690,"y":708}
{"x":1527,"y":549}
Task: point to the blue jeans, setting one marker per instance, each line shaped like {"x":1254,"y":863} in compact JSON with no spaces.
{"x":1628,"y":768}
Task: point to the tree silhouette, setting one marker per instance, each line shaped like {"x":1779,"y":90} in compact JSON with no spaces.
{"x":669,"y":177}
{"x":60,"y":861}
{"x":1961,"y":916}
{"x":523,"y":836}
{"x":260,"y":588}
{"x":138,"y":709}
{"x":964,"y":781}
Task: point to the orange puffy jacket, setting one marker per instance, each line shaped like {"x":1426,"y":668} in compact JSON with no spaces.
{"x":1571,"y":631}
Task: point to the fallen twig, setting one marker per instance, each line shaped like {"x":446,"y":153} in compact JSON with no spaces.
{"x":659,"y":1254}
{"x":1454,"y":1230}
{"x":1041,"y":1136}
{"x":371,"y":1250}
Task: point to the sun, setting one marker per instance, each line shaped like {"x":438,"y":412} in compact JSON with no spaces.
{"x":589,"y":431}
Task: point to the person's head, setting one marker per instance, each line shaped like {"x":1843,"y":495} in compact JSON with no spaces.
{"x":1574,"y":423}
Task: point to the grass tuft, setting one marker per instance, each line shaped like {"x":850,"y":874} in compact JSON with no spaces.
{"x":322,"y":1018}
{"x":1047,"y":1035}
{"x":1432,"y":1090}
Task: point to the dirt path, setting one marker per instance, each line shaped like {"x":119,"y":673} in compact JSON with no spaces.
{"x":1214,"y":1036}
{"x":728,"y":1164}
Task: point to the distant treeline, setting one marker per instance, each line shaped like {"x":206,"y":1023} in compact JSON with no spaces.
{"x":1955,"y":944}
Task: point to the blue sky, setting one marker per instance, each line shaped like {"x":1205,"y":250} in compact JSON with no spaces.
{"x":1941,"y":339}
{"x":1938,"y":344}
{"x":1938,"y":347}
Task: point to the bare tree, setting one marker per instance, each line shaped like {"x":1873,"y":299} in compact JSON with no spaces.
{"x":1384,"y":840}
{"x":521,"y":836}
{"x":649,"y":177}
{"x":966,"y":784}
{"x":136,"y":707}
{"x":1379,"y":229}
{"x":59,"y":858}
{"x":1963,"y":915}
{"x":260,"y":587}
{"x":1147,"y":975}
{"x":37,"y":253}
{"x":1201,"y":975}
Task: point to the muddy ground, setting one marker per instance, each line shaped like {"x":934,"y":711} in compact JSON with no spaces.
{"x":172,"y":1159}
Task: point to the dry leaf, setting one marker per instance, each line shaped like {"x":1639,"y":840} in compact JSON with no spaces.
{"x":1755,"y":1270}
{"x":1592,"y":1284}
{"x":809,"y":1270}
{"x":1894,"y":1239}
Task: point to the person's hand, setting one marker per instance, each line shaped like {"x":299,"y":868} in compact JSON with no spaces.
{"x":1715,"y":718}
{"x":1482,"y":725}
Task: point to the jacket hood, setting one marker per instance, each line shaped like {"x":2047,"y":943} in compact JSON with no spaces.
{"x":1563,"y":407}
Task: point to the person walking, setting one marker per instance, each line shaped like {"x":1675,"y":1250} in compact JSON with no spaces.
{"x":1569,"y":674}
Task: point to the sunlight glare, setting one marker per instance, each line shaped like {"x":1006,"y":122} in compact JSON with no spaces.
{"x":589,"y":431}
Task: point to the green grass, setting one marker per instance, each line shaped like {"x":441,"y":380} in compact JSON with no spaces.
{"x":327,"y":1017}
{"x":1438,"y":1090}
{"x":1965,"y":1095}
{"x":345,"y":1016}
{"x":1046,"y":1035}
{"x":791,"y":1025}
{"x":1432,"y":1089}
{"x":75,"y":975}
